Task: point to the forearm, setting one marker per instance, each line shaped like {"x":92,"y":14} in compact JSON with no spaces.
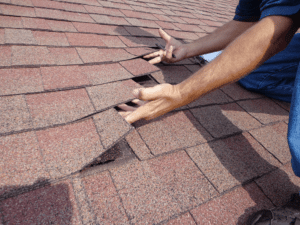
{"x":219,"y":39}
{"x":243,"y":55}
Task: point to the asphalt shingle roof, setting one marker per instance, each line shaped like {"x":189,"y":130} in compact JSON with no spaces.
{"x":64,"y":67}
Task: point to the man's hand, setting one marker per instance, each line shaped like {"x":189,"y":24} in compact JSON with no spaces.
{"x":173,"y":46}
{"x":154,"y":101}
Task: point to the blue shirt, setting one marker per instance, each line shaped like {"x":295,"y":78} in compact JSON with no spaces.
{"x":254,"y":10}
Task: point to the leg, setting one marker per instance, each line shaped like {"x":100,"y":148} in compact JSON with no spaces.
{"x":276,"y":77}
{"x":294,"y":126}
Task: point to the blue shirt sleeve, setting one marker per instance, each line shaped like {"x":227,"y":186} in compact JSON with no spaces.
{"x":254,"y":10}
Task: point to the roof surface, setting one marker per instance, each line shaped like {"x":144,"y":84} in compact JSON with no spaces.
{"x":66,"y":65}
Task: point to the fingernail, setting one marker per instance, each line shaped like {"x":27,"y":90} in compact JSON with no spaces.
{"x":136,"y":92}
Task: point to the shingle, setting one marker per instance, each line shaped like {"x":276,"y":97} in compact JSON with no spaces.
{"x":59,"y":107}
{"x":100,"y":29}
{"x":14,"y":114}
{"x":16,"y":81}
{"x":138,"y":145}
{"x":139,"y":41}
{"x":77,"y":39}
{"x":35,"y":23}
{"x":73,"y":7}
{"x":54,"y":204}
{"x":215,"y":97}
{"x":104,"y":199}
{"x":139,"y":51}
{"x":2,"y":38}
{"x":280,"y":184}
{"x":188,"y":27}
{"x":10,"y":21}
{"x":167,"y":25}
{"x":102,"y":10}
{"x":63,"y":76}
{"x":274,"y":139}
{"x":65,"y":56}
{"x":139,"y":15}
{"x":265,"y":110}
{"x":47,"y":4}
{"x":163,"y":18}
{"x":236,"y":92}
{"x":212,"y":23}
{"x":5,"y":55}
{"x":185,"y":219}
{"x":232,"y":208}
{"x":49,"y":13}
{"x":111,"y":127}
{"x":17,"y":10}
{"x":172,"y":131}
{"x":112,"y":41}
{"x":19,"y":36}
{"x":225,"y":119}
{"x":79,"y":17}
{"x":31,"y":55}
{"x":139,"y":67}
{"x":137,"y":31}
{"x":171,"y":74}
{"x":67,"y":149}
{"x":103,"y":19}
{"x":107,"y":95}
{"x":50,"y":38}
{"x":90,"y":55}
{"x":61,"y":26}
{"x":182,"y":35}
{"x":99,"y":74}
{"x":21,"y":161}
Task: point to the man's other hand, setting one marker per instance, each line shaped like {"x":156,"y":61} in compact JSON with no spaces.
{"x":173,"y":47}
{"x":153,"y":102}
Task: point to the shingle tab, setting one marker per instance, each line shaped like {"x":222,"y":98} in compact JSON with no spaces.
{"x":139,"y":67}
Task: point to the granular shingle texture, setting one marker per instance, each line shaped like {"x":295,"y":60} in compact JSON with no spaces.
{"x":68,"y":157}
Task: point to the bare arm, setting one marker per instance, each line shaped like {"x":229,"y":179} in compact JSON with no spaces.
{"x":248,"y":51}
{"x":219,"y":39}
{"x":215,"y":41}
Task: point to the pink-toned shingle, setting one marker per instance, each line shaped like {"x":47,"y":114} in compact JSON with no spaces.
{"x":22,"y":2}
{"x":105,"y":202}
{"x":21,"y":161}
{"x":185,"y":219}
{"x":167,"y":25}
{"x":50,"y":38}
{"x":5,"y":55}
{"x":163,"y":18}
{"x":138,"y":145}
{"x":139,"y":15}
{"x":99,"y":74}
{"x":61,"y":26}
{"x":54,"y":204}
{"x":212,"y":23}
{"x":47,"y":4}
{"x":182,"y":35}
{"x":35,"y":23}
{"x":264,"y":110}
{"x":112,"y":41}
{"x":225,"y":119}
{"x":17,"y":10}
{"x":76,"y":39}
{"x":73,"y":7}
{"x":2,"y":34}
{"x":237,"y":92}
{"x":79,"y":17}
{"x":171,"y":74}
{"x":139,"y":67}
{"x":233,"y":207}
{"x":139,"y":51}
{"x":106,"y":95}
{"x":19,"y":36}
{"x":280,"y":184}
{"x":171,"y":132}
{"x":49,"y":13}
{"x":10,"y":21}
{"x":102,"y":10}
{"x":274,"y":139}
{"x":16,"y":81}
{"x":100,"y":29}
{"x":215,"y":97}
{"x":90,"y":55}
{"x":188,"y":27}
{"x":14,"y":114}
{"x":63,"y":76}
{"x":111,"y":127}
{"x":103,"y":19}
{"x":65,"y":56}
{"x":67,"y":149}
{"x":59,"y":107}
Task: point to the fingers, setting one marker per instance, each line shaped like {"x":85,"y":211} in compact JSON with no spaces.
{"x":139,"y":102}
{"x":155,"y":60}
{"x":126,"y":107}
{"x":154,"y":54}
{"x":148,"y":94}
{"x":164,"y":35}
{"x":169,"y":52}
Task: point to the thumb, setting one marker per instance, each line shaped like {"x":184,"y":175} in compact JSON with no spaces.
{"x":164,"y":35}
{"x":148,"y":94}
